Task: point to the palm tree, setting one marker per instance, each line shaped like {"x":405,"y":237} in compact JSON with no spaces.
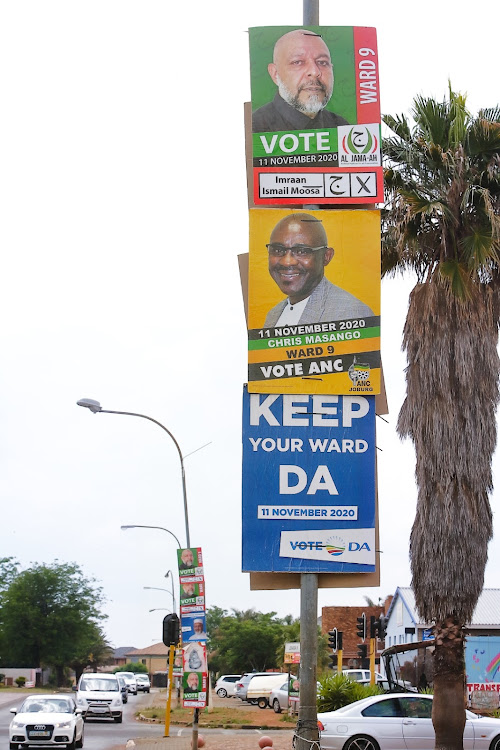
{"x":441,"y":220}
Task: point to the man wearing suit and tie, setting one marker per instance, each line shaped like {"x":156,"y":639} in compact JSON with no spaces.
{"x":298,"y":253}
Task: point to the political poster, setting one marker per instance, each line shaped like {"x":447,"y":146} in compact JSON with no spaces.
{"x":314,"y":302}
{"x":195,"y":676}
{"x":315,"y":115}
{"x":190,"y":562}
{"x":308,"y":483}
{"x":292,"y":653}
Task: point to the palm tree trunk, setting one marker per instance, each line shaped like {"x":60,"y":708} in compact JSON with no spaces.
{"x":448,"y":715}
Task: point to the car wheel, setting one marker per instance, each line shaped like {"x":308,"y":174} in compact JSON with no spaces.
{"x":262,"y":703}
{"x":495,"y":744}
{"x":13,"y":745}
{"x":361,"y":742}
{"x":276,"y":706}
{"x":118,"y":719}
{"x":79,"y":743}
{"x":222,"y":693}
{"x":72,"y":745}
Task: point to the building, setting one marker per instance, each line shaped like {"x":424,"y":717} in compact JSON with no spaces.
{"x":345,"y":620}
{"x":154,"y":657}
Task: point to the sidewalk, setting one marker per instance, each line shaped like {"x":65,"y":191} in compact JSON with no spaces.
{"x":235,"y":741}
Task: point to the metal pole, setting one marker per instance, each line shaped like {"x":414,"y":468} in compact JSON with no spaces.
{"x":184,"y":493}
{"x":310,"y":12}
{"x":307,"y":735}
{"x":171,"y":656}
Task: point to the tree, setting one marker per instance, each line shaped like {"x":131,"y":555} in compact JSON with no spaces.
{"x":94,"y":651}
{"x":49,"y":614}
{"x":441,"y":220}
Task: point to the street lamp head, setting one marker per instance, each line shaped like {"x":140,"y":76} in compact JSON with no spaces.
{"x":90,"y":403}
{"x":124,"y":528}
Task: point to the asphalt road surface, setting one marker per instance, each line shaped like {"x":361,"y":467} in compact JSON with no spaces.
{"x":103,"y":734}
{"x":100,"y":734}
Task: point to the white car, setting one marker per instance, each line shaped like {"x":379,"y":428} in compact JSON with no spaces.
{"x":130,"y":679}
{"x":47,"y":720}
{"x":225,"y":687}
{"x":99,"y":695}
{"x":143,"y":683}
{"x":399,"y":721}
{"x":361,"y":675}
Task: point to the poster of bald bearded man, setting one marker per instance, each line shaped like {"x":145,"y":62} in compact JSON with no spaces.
{"x":302,"y":78}
{"x":302,"y":70}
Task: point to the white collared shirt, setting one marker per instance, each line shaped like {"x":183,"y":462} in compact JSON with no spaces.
{"x":292,"y":313}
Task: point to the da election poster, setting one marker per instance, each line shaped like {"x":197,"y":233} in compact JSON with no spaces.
{"x":315,"y":115}
{"x":314,"y":302}
{"x":308,"y":483}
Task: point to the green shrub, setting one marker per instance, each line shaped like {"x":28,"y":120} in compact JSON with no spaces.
{"x":20,"y":681}
{"x":132,"y":666}
{"x":338,"y":690}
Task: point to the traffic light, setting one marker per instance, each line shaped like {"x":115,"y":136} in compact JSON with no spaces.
{"x":373,"y":626}
{"x":362,"y":651}
{"x":171,"y":630}
{"x":382,"y":627}
{"x":333,"y":661}
{"x":361,"y":626}
{"x":332,"y":639}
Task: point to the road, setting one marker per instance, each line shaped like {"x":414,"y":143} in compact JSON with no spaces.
{"x":102,"y":734}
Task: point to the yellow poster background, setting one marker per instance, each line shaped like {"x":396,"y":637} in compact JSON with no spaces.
{"x":355,"y":237}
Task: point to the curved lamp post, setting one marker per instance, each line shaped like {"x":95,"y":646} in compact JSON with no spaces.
{"x":142,"y":526}
{"x":157,"y":588}
{"x":95,"y":407}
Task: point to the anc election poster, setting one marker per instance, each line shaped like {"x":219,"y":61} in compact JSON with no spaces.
{"x":308,"y":484}
{"x":315,"y":115}
{"x":314,"y":302}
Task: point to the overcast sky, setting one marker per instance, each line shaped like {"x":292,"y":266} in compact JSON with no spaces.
{"x":123,"y":210}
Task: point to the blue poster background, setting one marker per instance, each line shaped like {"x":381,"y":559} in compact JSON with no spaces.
{"x":346,"y":465}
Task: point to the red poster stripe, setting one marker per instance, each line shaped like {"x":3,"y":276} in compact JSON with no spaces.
{"x":367,"y":74}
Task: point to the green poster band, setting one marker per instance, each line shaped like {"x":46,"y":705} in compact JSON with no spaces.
{"x":313,"y":339}
{"x":288,"y":143}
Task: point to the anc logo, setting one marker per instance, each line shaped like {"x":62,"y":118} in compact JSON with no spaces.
{"x":335,"y":546}
{"x":358,"y":372}
{"x":359,"y":140}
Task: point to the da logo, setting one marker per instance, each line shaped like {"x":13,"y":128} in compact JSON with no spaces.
{"x":335,"y":546}
{"x":359,"y":372}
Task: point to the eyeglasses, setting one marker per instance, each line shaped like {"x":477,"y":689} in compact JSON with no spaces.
{"x":297,"y":251}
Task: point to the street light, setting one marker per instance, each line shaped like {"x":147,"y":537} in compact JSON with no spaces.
{"x":140,"y":526}
{"x":95,"y":407}
{"x":157,"y":588}
{"x":160,"y":609}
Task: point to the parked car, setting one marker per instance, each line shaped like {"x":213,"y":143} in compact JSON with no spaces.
{"x":242,"y":684}
{"x":395,"y":721}
{"x":226,"y":685}
{"x":100,"y":695}
{"x":130,"y":679}
{"x":278,"y":698}
{"x":361,"y":675}
{"x":123,"y":687}
{"x":47,"y":720}
{"x":260,"y":686}
{"x":143,"y":683}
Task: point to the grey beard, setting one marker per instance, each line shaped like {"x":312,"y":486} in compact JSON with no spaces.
{"x":313,"y":105}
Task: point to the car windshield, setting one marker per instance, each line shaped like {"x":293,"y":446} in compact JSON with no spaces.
{"x":47,"y":705}
{"x":142,"y":678}
{"x":98,"y":684}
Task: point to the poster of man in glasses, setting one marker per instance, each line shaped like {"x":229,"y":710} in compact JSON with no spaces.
{"x":314,"y":301}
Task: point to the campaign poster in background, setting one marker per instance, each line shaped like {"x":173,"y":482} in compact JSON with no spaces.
{"x":335,"y":345}
{"x":195,"y":676}
{"x":308,"y":483}
{"x":335,"y":157}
